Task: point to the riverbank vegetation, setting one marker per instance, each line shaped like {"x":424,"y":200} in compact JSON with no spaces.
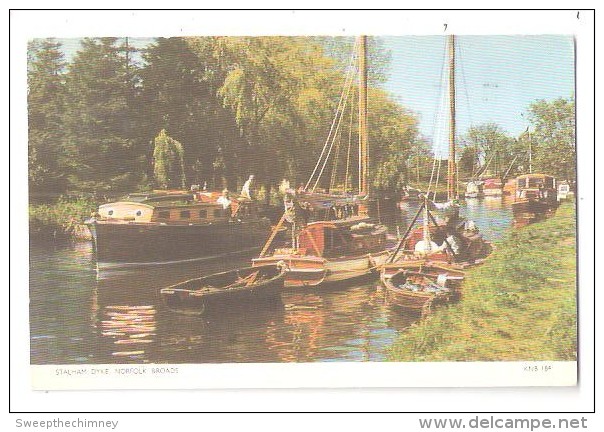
{"x":60,"y":220}
{"x":519,"y":305}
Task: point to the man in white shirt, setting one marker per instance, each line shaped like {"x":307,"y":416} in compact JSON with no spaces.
{"x":246,"y":191}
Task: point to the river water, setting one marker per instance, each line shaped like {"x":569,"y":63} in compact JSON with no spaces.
{"x":80,"y":316}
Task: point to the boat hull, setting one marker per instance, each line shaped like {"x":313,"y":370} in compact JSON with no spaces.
{"x":311,"y":271}
{"x":420,"y":301}
{"x":229,"y":289}
{"x":141,"y":243}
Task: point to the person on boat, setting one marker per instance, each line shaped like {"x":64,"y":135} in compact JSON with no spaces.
{"x":247,"y":190}
{"x":225,"y":201}
{"x":449,"y":212}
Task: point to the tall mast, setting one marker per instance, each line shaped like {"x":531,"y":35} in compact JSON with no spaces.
{"x":530,"y":151}
{"x":451,"y":171}
{"x":363,"y":135}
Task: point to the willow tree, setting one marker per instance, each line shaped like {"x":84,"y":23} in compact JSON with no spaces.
{"x":260,"y":83}
{"x":168,"y":162}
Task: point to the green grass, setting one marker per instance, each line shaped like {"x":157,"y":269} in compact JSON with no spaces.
{"x":519,"y":305}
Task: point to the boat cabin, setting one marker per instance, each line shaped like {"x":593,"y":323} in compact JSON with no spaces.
{"x":170,"y":208}
{"x":342,"y":237}
{"x":536,"y":186}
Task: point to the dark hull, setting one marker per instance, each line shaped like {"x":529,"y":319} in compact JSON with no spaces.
{"x":140,"y":243}
{"x":230,"y":289}
{"x":531,"y":210}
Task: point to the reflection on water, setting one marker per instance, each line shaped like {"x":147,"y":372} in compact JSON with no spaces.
{"x":77,"y":316}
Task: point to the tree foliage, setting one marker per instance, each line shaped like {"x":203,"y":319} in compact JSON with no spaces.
{"x":488,"y":150}
{"x":236,"y":106}
{"x":45,"y":100}
{"x":168,"y":162}
{"x":553,"y":138}
{"x":99,"y":118}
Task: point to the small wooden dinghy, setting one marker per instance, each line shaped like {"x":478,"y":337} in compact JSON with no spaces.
{"x":419,"y":287}
{"x":234,"y":287}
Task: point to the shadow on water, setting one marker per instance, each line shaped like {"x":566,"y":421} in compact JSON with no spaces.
{"x":79,"y":316}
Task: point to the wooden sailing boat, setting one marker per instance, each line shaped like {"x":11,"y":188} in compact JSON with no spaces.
{"x":343,"y":246}
{"x":460,"y":245}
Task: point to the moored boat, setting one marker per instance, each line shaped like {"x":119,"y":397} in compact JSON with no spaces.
{"x":535,"y":198}
{"x":173,"y":226}
{"x":418,"y":286}
{"x":474,"y":189}
{"x":493,"y":187}
{"x":332,"y":251}
{"x":332,"y":238}
{"x":235,"y":287}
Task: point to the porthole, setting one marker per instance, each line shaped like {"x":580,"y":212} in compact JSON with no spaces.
{"x":139,"y":213}
{"x":110,"y":212}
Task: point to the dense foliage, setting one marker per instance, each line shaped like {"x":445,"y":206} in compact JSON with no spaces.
{"x":547,"y":146}
{"x":168,"y":162}
{"x":239,"y":106}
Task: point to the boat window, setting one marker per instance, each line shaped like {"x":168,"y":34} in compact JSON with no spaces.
{"x":521,"y":183}
{"x":217,"y":212}
{"x":185,"y":214}
{"x":535,"y":182}
{"x":203,"y":214}
{"x":549,"y":182}
{"x":164,"y":215}
{"x":138,"y":213}
{"x":110,"y":212}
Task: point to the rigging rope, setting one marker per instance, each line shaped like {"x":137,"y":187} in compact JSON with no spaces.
{"x":349,"y":77}
{"x":349,"y":146}
{"x":437,"y":134}
{"x":347,"y":91}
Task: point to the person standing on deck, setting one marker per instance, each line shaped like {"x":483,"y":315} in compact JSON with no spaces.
{"x":247,"y":190}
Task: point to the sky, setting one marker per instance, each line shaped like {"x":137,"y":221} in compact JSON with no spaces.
{"x":497,"y":78}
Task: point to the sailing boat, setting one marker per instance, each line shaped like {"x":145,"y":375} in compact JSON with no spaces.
{"x":460,"y":242}
{"x":344,"y":243}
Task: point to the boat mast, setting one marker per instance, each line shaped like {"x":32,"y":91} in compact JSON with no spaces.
{"x":451,"y":171}
{"x":363,"y":136}
{"x":530,"y":151}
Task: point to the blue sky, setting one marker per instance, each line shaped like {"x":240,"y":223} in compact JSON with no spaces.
{"x":498,"y":77}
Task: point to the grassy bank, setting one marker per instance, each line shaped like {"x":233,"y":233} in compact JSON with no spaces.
{"x":61,"y":220}
{"x":519,"y":305}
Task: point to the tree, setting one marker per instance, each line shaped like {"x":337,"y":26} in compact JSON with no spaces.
{"x":45,"y":103}
{"x":494,"y":147}
{"x":168,"y":162}
{"x":553,"y":138}
{"x":393,"y":137}
{"x":179,"y":94}
{"x":100,"y":118}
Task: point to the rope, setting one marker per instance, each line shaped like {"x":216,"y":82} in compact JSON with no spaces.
{"x":334,"y":171}
{"x":349,"y":145}
{"x":329,"y":136}
{"x":334,"y":137}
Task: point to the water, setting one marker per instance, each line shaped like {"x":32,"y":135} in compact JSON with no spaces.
{"x":78,"y":316}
